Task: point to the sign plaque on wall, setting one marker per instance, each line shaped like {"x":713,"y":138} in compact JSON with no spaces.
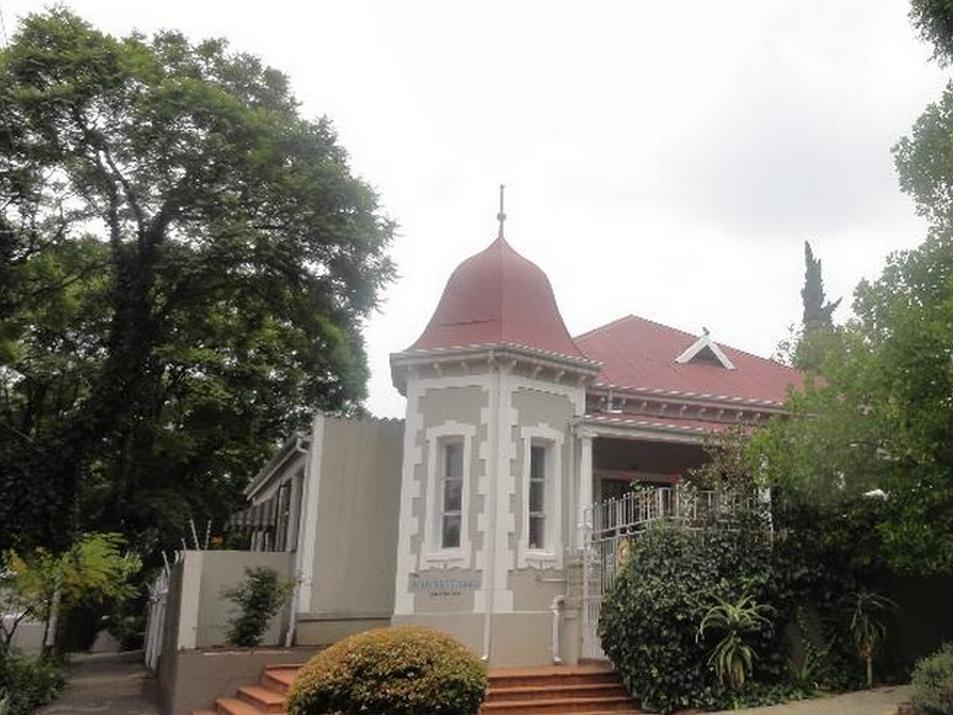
{"x":441,"y":584}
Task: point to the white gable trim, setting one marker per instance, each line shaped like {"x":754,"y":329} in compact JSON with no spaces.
{"x":703,"y":342}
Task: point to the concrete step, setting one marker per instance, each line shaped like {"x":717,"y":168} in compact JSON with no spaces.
{"x":233,"y":706}
{"x":278,"y":679}
{"x":559,"y":706}
{"x":265,"y":699}
{"x":534,"y":692}
{"x":551,"y":676}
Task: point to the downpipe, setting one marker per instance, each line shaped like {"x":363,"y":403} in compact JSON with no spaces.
{"x":556,"y":608}
{"x":296,"y":593}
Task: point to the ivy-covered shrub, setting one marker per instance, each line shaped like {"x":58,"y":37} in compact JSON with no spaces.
{"x":933,"y":683}
{"x":27,"y":682}
{"x":650,"y":617}
{"x":404,"y":670}
{"x":259,"y":598}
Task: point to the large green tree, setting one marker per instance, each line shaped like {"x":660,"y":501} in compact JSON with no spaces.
{"x":933,"y":20}
{"x":186,"y":264}
{"x":872,"y":441}
{"x":818,"y":311}
{"x":818,"y":334}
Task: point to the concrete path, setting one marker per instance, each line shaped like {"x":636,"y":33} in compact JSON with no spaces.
{"x":100,"y":684}
{"x":879,"y":701}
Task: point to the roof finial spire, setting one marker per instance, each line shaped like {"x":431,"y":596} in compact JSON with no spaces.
{"x":501,"y":216}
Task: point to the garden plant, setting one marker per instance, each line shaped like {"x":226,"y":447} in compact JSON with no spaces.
{"x":404,"y":670}
{"x":933,"y":683}
{"x":733,"y":656}
{"x":258,"y":598}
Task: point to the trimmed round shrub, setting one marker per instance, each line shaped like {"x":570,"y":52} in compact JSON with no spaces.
{"x":403,"y":670}
{"x":933,"y":683}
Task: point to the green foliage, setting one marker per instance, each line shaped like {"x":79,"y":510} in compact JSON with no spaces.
{"x":651,"y":615}
{"x":94,"y":569}
{"x":867,"y":627}
{"x":733,"y":657}
{"x":406,"y":670}
{"x":880,"y":419}
{"x":259,"y":598}
{"x":808,"y":672}
{"x":174,"y":237}
{"x":933,"y":683}
{"x":933,"y":20}
{"x":27,"y":682}
{"x":818,"y":311}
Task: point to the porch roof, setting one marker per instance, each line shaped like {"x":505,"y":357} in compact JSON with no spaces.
{"x":664,"y":428}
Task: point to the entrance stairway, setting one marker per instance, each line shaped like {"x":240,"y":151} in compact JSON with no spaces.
{"x":556,"y":690}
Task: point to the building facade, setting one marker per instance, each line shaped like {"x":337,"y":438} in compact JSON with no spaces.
{"x":470,"y":514}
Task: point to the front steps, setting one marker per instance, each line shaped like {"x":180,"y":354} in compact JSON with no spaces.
{"x":556,"y":690}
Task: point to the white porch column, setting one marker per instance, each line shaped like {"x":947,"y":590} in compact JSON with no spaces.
{"x":585,"y":483}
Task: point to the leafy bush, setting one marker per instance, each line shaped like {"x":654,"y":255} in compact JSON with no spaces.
{"x":93,"y":569}
{"x":733,"y":657}
{"x":650,"y":617}
{"x":26,"y":683}
{"x":259,"y":598}
{"x":867,"y":627}
{"x":405,"y":670}
{"x":933,"y":683}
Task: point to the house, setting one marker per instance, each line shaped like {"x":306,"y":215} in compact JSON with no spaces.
{"x":469,"y":515}
{"x":493,"y":510}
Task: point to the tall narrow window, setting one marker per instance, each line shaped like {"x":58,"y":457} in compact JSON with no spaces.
{"x":452,"y":478}
{"x":537,"y":497}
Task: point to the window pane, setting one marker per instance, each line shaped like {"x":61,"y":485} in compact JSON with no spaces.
{"x":536,"y":531}
{"x":453,"y":466}
{"x":452,"y":495}
{"x":536,"y":495}
{"x":537,"y":462}
{"x":451,"y":532}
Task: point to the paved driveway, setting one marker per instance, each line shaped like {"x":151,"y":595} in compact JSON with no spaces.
{"x":879,"y":701}
{"x":108,"y":686}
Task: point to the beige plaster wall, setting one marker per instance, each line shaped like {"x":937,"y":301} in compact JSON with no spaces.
{"x":358,"y":511}
{"x":195,"y":678}
{"x":327,"y":630}
{"x":221,"y":570}
{"x":537,"y":408}
{"x":437,"y":407}
{"x":467,"y":628}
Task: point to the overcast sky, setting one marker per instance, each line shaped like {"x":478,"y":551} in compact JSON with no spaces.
{"x":662,"y":159}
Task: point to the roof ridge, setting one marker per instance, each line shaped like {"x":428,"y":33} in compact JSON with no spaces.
{"x":600,"y":328}
{"x":633,"y":316}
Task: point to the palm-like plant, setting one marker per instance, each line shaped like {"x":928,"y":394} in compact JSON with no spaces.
{"x":733,"y":657}
{"x":867,"y":627}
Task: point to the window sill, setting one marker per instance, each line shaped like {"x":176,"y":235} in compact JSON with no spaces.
{"x":538,"y":558}
{"x":445,"y":558}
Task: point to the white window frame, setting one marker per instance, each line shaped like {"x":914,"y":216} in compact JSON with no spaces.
{"x":433,"y":553}
{"x":551,"y":556}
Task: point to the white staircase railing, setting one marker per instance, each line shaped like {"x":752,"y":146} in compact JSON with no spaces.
{"x":607,"y":524}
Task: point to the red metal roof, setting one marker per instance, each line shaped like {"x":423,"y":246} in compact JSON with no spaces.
{"x":640,"y":354}
{"x":498,"y":297}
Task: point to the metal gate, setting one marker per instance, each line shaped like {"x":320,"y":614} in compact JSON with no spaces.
{"x":155,"y":619}
{"x":610,"y":524}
